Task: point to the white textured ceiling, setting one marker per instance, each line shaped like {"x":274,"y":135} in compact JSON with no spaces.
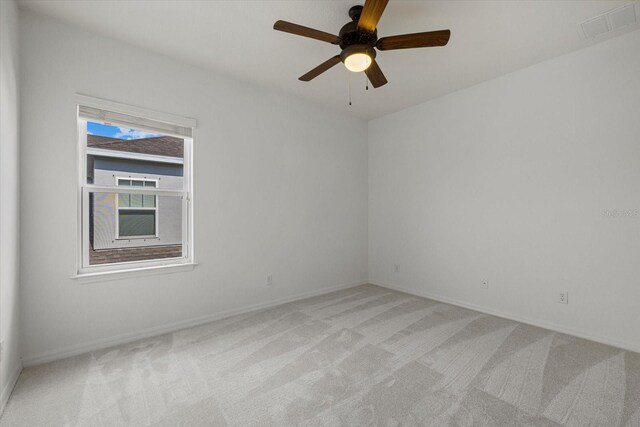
{"x":235,"y":38}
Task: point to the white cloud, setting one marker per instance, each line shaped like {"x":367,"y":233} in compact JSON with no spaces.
{"x":125,"y":133}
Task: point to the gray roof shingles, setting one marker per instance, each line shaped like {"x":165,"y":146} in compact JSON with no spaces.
{"x":159,"y":145}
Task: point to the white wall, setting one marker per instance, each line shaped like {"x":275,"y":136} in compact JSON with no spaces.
{"x":9,"y":202}
{"x":280,"y":188}
{"x":508,"y":181}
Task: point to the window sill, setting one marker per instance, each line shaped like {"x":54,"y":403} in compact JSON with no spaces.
{"x":137,"y":238}
{"x":104,"y":276}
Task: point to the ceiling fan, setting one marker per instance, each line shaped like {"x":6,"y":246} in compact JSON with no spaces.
{"x":358,"y":40}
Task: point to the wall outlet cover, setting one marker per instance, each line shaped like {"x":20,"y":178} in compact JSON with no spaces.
{"x":563,"y":297}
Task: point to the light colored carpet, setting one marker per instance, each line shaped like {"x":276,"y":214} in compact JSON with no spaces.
{"x":362,"y":356}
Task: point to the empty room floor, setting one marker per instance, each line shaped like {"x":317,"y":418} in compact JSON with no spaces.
{"x":365,"y":355}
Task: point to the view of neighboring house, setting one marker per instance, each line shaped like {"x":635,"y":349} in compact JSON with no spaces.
{"x":130,"y":227}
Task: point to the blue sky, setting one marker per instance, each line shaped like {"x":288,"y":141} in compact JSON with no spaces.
{"x":117,"y":131}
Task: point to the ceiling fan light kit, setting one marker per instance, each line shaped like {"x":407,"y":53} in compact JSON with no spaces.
{"x":358,"y":40}
{"x":357,"y":57}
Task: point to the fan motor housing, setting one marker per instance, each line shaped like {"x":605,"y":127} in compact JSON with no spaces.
{"x":349,"y":34}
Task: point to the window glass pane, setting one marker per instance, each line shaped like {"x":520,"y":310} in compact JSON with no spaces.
{"x":136,"y":183}
{"x":103,"y":139}
{"x":137,"y":222}
{"x":136,"y":200}
{"x":148,"y":201}
{"x":128,"y":234}
{"x":123,"y":200}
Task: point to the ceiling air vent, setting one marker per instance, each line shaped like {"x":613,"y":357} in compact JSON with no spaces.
{"x":623,"y":16}
{"x":609,"y":21}
{"x":596,"y":26}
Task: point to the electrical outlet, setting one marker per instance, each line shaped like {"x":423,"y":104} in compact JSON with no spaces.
{"x":269,"y":280}
{"x":563,"y":297}
{"x":396,"y":268}
{"x":485,"y":284}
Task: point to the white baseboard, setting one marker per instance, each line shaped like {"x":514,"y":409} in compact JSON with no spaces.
{"x":625,"y":345}
{"x":6,"y":392}
{"x":99,"y":344}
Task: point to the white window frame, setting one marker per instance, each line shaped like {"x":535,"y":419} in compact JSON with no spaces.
{"x":118,"y":207}
{"x":134,"y":268}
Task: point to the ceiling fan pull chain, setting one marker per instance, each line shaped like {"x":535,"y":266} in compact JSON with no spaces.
{"x":366,"y":81}
{"x":349,"y":84}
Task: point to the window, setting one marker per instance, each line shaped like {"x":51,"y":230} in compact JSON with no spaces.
{"x":135,"y":188}
{"x":136,"y":212}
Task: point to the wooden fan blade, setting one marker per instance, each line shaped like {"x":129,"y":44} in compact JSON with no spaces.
{"x":371,"y":14}
{"x":299,"y":30}
{"x":375,"y":75}
{"x":320,"y":69}
{"x":408,"y":41}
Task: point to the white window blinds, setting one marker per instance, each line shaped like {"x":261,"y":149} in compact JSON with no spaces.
{"x":135,"y":122}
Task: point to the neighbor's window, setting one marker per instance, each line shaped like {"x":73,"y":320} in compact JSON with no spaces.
{"x":136,"y":212}
{"x":135,"y":189}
